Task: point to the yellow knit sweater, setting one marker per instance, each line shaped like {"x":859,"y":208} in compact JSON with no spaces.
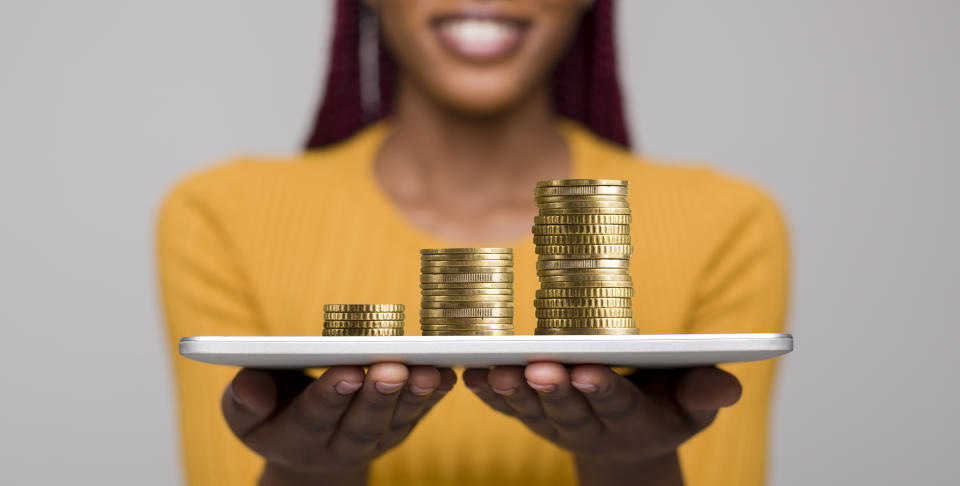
{"x":257,"y":246}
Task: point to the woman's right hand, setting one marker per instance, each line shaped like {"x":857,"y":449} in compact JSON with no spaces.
{"x":328,"y":430}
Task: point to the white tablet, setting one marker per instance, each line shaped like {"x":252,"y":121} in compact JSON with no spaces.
{"x":640,"y":351}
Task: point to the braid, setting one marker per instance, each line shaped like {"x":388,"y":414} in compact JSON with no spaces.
{"x":586,"y":88}
{"x":585,"y":85}
{"x":341,"y":113}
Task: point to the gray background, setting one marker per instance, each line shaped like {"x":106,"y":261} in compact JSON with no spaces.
{"x":846,"y":110}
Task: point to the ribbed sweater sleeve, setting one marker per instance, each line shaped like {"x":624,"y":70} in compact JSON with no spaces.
{"x":742,"y":288}
{"x":204,"y":294}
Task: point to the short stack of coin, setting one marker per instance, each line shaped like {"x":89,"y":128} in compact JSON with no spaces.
{"x":363,"y":320}
{"x":582,"y":238}
{"x":466,"y":292}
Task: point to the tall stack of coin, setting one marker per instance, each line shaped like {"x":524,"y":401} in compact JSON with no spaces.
{"x":466,"y":291}
{"x":582,"y":238}
{"x":363,"y":320}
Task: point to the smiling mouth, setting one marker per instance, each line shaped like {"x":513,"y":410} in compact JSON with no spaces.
{"x":480,"y":38}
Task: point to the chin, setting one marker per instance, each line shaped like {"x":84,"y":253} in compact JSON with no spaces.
{"x":479,"y":98}
{"x":479,"y":105}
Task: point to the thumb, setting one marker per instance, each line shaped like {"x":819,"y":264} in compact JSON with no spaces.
{"x":248,"y":400}
{"x":703,"y":391}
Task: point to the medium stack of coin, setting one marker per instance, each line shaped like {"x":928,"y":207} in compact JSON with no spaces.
{"x":466,"y":292}
{"x":582,"y":238}
{"x":363,"y":320}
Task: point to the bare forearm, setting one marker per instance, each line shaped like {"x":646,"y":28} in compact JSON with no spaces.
{"x":277,"y":476}
{"x":661,"y":472}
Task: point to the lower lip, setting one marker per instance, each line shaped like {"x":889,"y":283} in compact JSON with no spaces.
{"x":477,"y":51}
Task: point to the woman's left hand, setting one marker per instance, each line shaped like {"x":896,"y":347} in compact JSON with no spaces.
{"x":620,"y":429}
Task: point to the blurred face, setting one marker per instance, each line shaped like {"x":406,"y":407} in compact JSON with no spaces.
{"x":478,"y":57}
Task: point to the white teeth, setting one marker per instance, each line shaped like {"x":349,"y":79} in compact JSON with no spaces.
{"x":479,"y":32}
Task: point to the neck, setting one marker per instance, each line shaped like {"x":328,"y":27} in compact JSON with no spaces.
{"x":442,"y":168}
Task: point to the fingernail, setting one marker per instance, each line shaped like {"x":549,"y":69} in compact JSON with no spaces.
{"x":387,"y":388}
{"x":347,"y":387}
{"x":542,"y":388}
{"x":584,"y":387}
{"x":416,"y":390}
{"x":504,"y":391}
{"x":234,"y":396}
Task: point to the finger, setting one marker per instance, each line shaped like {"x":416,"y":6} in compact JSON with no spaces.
{"x":564,"y":406}
{"x":421,"y":384}
{"x":367,"y":419}
{"x":319,"y":408}
{"x":310,"y":418}
{"x":703,"y":391}
{"x":708,"y":389}
{"x":477,"y":381}
{"x":612,"y":397}
{"x":248,"y":400}
{"x":447,"y":381}
{"x":509,"y":382}
{"x":401,"y":425}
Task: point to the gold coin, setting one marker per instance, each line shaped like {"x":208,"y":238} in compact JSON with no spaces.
{"x":363,"y":308}
{"x":466,"y":277}
{"x":582,"y":182}
{"x":585,"y":302}
{"x":584,"y":312}
{"x":583,"y":212}
{"x":363,"y":316}
{"x":586,"y":281}
{"x":587,"y":250}
{"x":463,"y":270}
{"x":581,"y":229}
{"x":468,"y":312}
{"x":465,"y":320}
{"x":466,"y":285}
{"x":466,"y":292}
{"x":587,"y":322}
{"x":583,"y":219}
{"x":580,"y":190}
{"x":363,"y":332}
{"x":464,"y":304}
{"x":584,"y":204}
{"x":459,"y":257}
{"x":542,"y":200}
{"x":601,"y":272}
{"x":584,"y":293}
{"x":581,"y":239}
{"x":466,"y":298}
{"x":586,"y":284}
{"x":569,"y":331}
{"x":467,"y":333}
{"x":341,"y":324}
{"x":585,"y":278}
{"x":565,"y":199}
{"x":459,"y":251}
{"x":466,"y":263}
{"x":583,"y":264}
{"x":453,"y":327}
{"x":544,"y":257}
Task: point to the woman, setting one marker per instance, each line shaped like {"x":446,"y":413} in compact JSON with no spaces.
{"x":475,"y":104}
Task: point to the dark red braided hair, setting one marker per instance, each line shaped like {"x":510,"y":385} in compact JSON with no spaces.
{"x":585,"y":85}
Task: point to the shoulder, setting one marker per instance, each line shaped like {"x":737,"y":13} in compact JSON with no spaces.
{"x":218,"y":188}
{"x":695,"y":192}
{"x":246,"y":185}
{"x":717,"y":197}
